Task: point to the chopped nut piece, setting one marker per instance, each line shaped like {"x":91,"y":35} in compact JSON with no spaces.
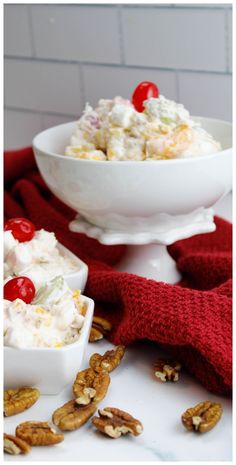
{"x":15,"y":446}
{"x":203,"y":417}
{"x":18,"y":400}
{"x":90,"y":386}
{"x":95,"y":335}
{"x":38,"y":433}
{"x":72,"y":415}
{"x":100,"y":327}
{"x":107,"y":362}
{"x":167,"y":370}
{"x":83,"y":310}
{"x":115,"y":422}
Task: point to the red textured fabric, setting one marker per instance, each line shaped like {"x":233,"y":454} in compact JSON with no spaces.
{"x":191,"y":320}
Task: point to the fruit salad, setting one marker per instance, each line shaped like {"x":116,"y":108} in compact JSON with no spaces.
{"x":32,"y":253}
{"x":147,"y":127}
{"x":51,"y":317}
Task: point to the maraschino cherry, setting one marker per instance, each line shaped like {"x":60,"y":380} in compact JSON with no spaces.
{"x":142,"y":92}
{"x":19,"y":288}
{"x":22,"y":229}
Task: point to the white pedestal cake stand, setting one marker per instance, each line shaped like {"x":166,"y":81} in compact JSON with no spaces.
{"x":145,"y":205}
{"x":147,"y":253}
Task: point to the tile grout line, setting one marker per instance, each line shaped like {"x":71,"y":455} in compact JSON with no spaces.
{"x":226,"y":18}
{"x":114,"y":65}
{"x":82,"y":85}
{"x":177,"y":85}
{"x":31,"y":30}
{"x":121,"y":34}
{"x":38,"y":112}
{"x":142,"y":5}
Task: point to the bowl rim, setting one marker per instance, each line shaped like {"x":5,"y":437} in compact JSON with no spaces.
{"x":132,"y":163}
{"x":67,"y":347}
{"x":83,"y":267}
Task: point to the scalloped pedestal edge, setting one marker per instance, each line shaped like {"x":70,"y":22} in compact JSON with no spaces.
{"x":147,"y":253}
{"x":167,"y":230}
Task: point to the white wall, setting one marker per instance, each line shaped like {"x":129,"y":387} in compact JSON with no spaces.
{"x":57,"y":57}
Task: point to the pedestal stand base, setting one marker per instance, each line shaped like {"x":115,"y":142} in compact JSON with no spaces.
{"x":150,"y":261}
{"x":147,"y":254}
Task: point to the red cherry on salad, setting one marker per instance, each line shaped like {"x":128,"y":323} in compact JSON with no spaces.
{"x":21,"y":228}
{"x":19,"y":288}
{"x":142,"y":92}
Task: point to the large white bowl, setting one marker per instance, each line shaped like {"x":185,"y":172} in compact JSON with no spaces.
{"x":131,"y":195}
{"x":48,"y":369}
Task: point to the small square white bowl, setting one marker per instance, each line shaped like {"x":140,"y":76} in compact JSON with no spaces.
{"x":76,"y":279}
{"x":48,"y":369}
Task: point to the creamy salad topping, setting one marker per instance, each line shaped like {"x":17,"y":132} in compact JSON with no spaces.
{"x":53,"y":319}
{"x":38,"y":259}
{"x":115,"y":130}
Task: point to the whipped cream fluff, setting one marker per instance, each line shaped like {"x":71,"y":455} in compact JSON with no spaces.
{"x":116,"y":131}
{"x":38,"y":259}
{"x":53,"y":319}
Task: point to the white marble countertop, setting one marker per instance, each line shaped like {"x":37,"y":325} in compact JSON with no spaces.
{"x":158,"y":405}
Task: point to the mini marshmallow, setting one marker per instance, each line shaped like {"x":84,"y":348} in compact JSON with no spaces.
{"x":42,"y":245}
{"x":9,"y":242}
{"x":19,"y":258}
{"x":121,"y":115}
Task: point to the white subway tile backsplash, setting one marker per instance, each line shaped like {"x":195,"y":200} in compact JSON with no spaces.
{"x":58,"y":56}
{"x":17,"y":40}
{"x":175,"y":38}
{"x":48,"y":121}
{"x":206,"y":94}
{"x":73,"y":32}
{"x":20,"y":128}
{"x":230,"y":38}
{"x":107,"y":82}
{"x":42,"y":86}
{"x":200,"y":5}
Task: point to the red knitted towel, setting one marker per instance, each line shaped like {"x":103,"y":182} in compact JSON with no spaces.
{"x":191,"y":320}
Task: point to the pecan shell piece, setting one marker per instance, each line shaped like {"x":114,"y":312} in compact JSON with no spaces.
{"x":100,"y":328}
{"x":90,"y":386}
{"x":72,"y":415}
{"x":18,"y":400}
{"x":15,"y":446}
{"x":114,"y":422}
{"x":38,"y":433}
{"x":167,"y":370}
{"x":109,"y":361}
{"x":203,"y":417}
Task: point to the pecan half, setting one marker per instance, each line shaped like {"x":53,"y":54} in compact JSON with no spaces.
{"x":115,"y":422}
{"x":107,"y":362}
{"x":167,"y":370}
{"x":15,"y":446}
{"x":100,"y":327}
{"x":95,"y":335}
{"x":18,"y":400}
{"x":38,"y":433}
{"x":203,"y":417}
{"x":72,"y":415}
{"x":90,"y":386}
